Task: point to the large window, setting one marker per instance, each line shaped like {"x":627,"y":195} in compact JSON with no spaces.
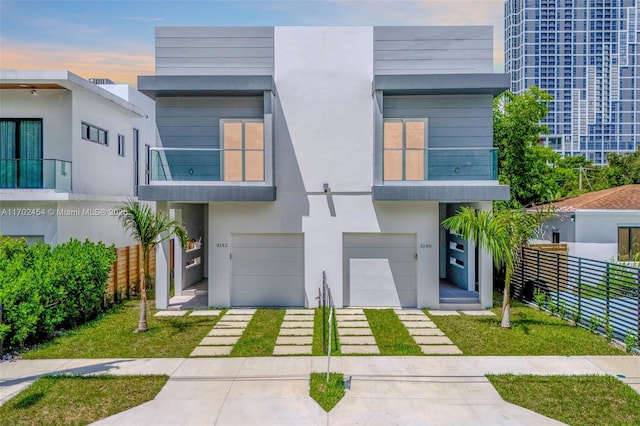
{"x":243,"y":150}
{"x":405,"y":143}
{"x":20,"y":153}
{"x":628,"y":242}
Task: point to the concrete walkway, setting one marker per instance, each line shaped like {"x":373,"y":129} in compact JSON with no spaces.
{"x":445,"y":390}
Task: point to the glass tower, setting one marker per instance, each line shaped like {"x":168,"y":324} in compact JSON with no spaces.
{"x":585,"y":53}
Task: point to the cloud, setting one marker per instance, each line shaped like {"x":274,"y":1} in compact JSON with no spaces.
{"x":117,"y":65}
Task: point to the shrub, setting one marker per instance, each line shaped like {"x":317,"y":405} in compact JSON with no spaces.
{"x":630,"y":341}
{"x":594,"y":323}
{"x":42,"y":289}
{"x":540,"y":298}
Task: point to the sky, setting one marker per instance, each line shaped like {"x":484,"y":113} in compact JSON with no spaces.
{"x":115,"y":39}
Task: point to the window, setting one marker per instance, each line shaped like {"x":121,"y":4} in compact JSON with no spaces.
{"x":121,"y":145}
{"x":95,"y":134}
{"x":628,"y":242}
{"x":21,"y":153}
{"x":404,"y":156}
{"x":136,"y":172}
{"x":243,"y":150}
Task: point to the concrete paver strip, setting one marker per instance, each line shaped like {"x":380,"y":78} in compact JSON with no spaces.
{"x":350,"y":311}
{"x":297,"y":324}
{"x":211,"y":351}
{"x":359,"y":349}
{"x":237,"y":318}
{"x":241,"y":311}
{"x":352,"y":324}
{"x":425,"y":332}
{"x":231,"y":324}
{"x":205,"y":313}
{"x":296,"y":332}
{"x":292,"y":350}
{"x":310,"y":312}
{"x":357,"y":340}
{"x":355,"y":317}
{"x":170,"y":313}
{"x":294,"y":340}
{"x":226,"y":332}
{"x":419,"y":324}
{"x":484,"y":313}
{"x":294,"y":318}
{"x":432,"y":340}
{"x":219,"y":341}
{"x":437,"y":313}
{"x":354,"y":331}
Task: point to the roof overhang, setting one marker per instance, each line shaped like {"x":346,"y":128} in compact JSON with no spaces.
{"x":57,"y":80}
{"x":442,"y":84}
{"x":205,"y":85}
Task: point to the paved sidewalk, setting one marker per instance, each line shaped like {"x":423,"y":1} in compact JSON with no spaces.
{"x":445,"y":390}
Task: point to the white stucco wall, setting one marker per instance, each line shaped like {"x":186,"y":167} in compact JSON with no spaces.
{"x":597,"y":232}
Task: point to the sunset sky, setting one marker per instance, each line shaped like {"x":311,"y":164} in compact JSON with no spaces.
{"x":115,"y":39}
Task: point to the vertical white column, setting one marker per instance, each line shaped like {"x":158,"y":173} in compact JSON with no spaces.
{"x":162,"y":266}
{"x":485,"y":266}
{"x":178,"y":261}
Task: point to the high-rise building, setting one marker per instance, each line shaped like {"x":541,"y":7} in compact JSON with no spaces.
{"x":585,"y":53}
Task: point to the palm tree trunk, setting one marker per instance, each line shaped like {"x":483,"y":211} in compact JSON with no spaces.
{"x":506,"y":301}
{"x":142,"y":320}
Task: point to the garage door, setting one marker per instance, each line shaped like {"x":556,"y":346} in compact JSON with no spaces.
{"x":267,"y":270}
{"x":380,"y":270}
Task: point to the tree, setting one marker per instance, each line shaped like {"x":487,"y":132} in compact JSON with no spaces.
{"x":624,"y":169}
{"x":501,"y":232}
{"x":522,"y":161}
{"x":149,"y":229}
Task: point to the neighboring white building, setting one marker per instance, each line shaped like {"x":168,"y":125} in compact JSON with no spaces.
{"x":290,"y":151}
{"x":68,"y":153}
{"x":601,"y":225}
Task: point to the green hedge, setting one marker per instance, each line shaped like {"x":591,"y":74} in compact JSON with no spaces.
{"x":44,"y":289}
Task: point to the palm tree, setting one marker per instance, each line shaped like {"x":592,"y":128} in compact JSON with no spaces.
{"x":501,"y":232}
{"x":149,"y":229}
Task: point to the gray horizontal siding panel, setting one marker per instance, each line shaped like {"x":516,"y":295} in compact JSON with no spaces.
{"x":220,"y":51}
{"x":194,"y":122}
{"x":220,"y":32}
{"x":460,"y":122}
{"x":409,"y":45}
{"x":432,"y":32}
{"x":212,"y":42}
{"x":418,"y":84}
{"x":206,"y":193}
{"x":199,"y":71}
{"x":214,"y":52}
{"x":441,"y":193}
{"x":217,"y":62}
{"x":432,"y":50}
{"x":431,"y":54}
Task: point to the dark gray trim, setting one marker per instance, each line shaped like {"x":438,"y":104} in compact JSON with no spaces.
{"x":205,"y":85}
{"x":442,"y":84}
{"x":206,"y":193}
{"x":441,"y":193}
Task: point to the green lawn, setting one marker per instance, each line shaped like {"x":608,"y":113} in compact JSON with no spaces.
{"x":259,"y":338}
{"x":532,"y":333}
{"x":575,"y":400}
{"x":75,"y":400}
{"x":391,"y":335}
{"x":326,"y":394}
{"x":112,"y":336}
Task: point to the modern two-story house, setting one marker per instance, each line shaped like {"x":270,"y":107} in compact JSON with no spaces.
{"x":293,"y":151}
{"x":71,"y":152}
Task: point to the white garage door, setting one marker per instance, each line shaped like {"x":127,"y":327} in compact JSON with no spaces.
{"x":267,"y":270}
{"x":380,"y":270}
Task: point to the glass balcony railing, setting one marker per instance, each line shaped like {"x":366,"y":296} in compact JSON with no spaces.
{"x":440,"y":164}
{"x":462,"y":164}
{"x":35,"y":174}
{"x":206,"y":165}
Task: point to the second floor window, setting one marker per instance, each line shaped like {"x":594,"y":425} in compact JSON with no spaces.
{"x":121,"y":145}
{"x":405,"y":142}
{"x":243,"y":150}
{"x":95,"y":134}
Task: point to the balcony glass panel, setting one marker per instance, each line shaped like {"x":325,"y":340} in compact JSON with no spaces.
{"x":393,"y":134}
{"x":462,"y":164}
{"x":393,"y":164}
{"x":232,"y":134}
{"x":206,"y":165}
{"x":253,"y":137}
{"x":35,"y":174}
{"x":414,"y":164}
{"x":415,"y":134}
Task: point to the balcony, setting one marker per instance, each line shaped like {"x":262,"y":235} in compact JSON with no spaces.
{"x":16,"y":173}
{"x":443,"y":174}
{"x":208,"y":174}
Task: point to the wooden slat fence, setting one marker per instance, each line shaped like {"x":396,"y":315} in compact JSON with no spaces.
{"x":124,"y":277}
